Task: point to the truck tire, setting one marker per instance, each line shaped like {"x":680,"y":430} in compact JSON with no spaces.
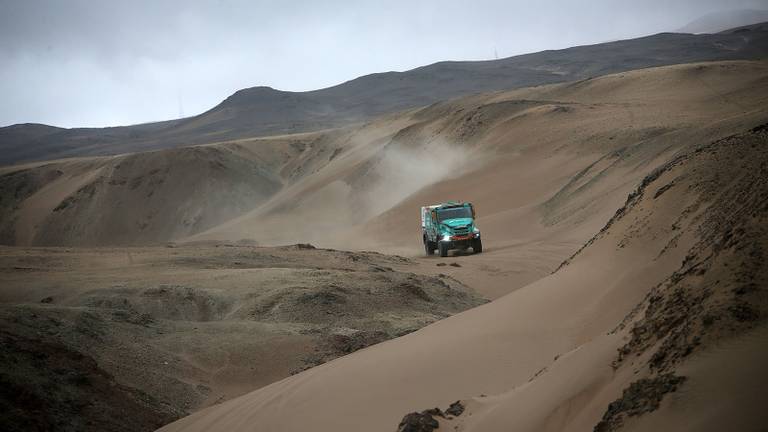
{"x":443,"y":249}
{"x":477,"y":246}
{"x":429,"y":247}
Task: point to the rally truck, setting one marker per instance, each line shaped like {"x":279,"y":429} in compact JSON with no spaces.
{"x":450,"y":225}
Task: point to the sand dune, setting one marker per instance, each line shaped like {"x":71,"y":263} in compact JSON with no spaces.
{"x":622,"y":320}
{"x":545,"y":166}
{"x":637,"y":314}
{"x":529,"y":144}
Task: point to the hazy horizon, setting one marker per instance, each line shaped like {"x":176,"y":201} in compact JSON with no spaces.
{"x":83,"y":64}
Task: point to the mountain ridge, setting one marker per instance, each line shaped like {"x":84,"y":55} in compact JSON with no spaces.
{"x":267,"y":112}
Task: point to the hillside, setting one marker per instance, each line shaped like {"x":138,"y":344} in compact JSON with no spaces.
{"x":657,"y":323}
{"x":539,"y":162}
{"x":622,"y":217}
{"x":564,"y":155}
{"x":261,"y":111}
{"x":130,"y":339}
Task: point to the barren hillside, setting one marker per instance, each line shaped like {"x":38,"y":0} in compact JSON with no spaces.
{"x":657,"y":323}
{"x":546,"y":166}
{"x":623,"y":221}
{"x":562,"y":156}
{"x":153,"y":334}
{"x":261,"y":111}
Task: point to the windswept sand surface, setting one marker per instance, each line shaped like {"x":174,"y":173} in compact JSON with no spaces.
{"x":631,"y":333}
{"x":545,"y":166}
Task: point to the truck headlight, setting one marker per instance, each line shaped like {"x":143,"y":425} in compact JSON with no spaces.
{"x":476,"y":231}
{"x":446,"y":237}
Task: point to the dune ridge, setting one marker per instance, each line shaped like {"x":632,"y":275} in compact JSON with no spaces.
{"x":593,"y":346}
{"x":600,"y":318}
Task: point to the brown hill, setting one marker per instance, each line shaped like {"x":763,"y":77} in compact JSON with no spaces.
{"x":559,"y":155}
{"x":133,"y":338}
{"x":261,"y":111}
{"x":658,"y":323}
{"x":546,"y":166}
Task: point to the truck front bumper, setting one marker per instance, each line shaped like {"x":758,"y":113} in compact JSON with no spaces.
{"x":461,"y":242}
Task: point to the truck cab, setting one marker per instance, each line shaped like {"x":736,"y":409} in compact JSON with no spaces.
{"x":450,"y":225}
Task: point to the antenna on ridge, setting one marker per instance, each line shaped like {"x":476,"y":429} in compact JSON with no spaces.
{"x":181,"y":106}
{"x":496,"y":53}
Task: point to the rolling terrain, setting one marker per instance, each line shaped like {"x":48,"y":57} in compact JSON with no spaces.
{"x":153,"y":334}
{"x":623,"y":220}
{"x":657,"y":323}
{"x":546,"y":167}
{"x":261,"y":111}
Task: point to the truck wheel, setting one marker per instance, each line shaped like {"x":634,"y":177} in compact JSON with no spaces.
{"x":477,"y":246}
{"x":429,"y":247}
{"x":443,"y":249}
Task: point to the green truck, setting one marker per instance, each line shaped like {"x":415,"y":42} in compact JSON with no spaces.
{"x":449,"y":226}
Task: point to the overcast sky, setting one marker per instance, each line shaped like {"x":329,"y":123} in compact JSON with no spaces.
{"x":97,"y":63}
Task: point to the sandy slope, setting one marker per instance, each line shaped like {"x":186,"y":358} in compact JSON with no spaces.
{"x":546,"y":167}
{"x":552,"y":155}
{"x":533,"y":160}
{"x":618,"y":322}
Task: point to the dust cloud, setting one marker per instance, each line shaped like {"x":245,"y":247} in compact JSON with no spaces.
{"x":354,"y":189}
{"x":401,"y":171}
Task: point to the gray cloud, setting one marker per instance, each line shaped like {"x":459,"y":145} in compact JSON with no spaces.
{"x":95,"y":63}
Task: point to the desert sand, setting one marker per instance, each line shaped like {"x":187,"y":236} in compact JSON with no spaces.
{"x":623,"y":219}
{"x":655,"y":301}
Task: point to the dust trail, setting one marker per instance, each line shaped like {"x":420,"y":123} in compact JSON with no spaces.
{"x":350,"y":191}
{"x":380,"y":183}
{"x":401,"y":171}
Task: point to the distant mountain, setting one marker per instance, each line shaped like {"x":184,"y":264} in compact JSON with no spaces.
{"x":27,"y":131}
{"x":261,"y":111}
{"x":717,"y":22}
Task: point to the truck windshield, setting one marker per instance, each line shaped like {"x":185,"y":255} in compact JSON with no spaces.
{"x":454,"y":213}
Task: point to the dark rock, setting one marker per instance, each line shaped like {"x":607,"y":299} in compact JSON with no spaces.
{"x":663,"y":189}
{"x":745,"y":289}
{"x":48,"y":299}
{"x":456,"y":409}
{"x":454,"y":264}
{"x":642,"y":396}
{"x":418,"y":422}
{"x":437,"y":412}
{"x":743,"y":312}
